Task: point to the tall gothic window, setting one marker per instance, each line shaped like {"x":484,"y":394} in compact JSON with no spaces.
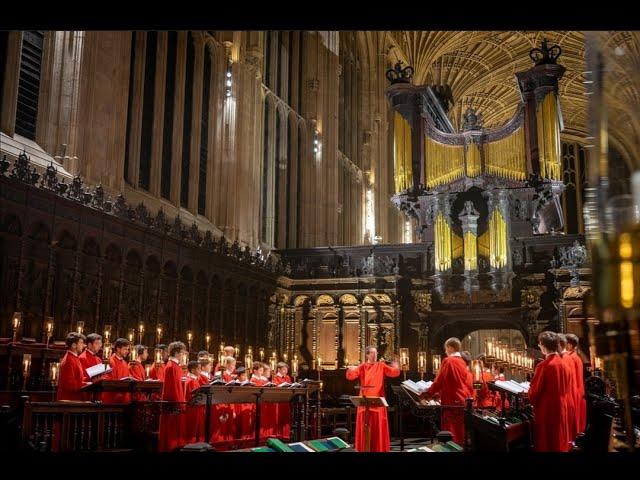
{"x":132,"y":64}
{"x":186,"y":131}
{"x":169,"y":95}
{"x":204,"y":133}
{"x":29,"y":83}
{"x":148,"y":107}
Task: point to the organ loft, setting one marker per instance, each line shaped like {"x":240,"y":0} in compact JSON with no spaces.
{"x":233,"y":227}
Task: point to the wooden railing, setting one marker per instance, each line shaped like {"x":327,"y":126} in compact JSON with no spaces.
{"x":76,"y":426}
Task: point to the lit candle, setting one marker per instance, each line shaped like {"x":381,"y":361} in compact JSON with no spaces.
{"x":107,"y":332}
{"x":207,"y":340}
{"x":248,"y":360}
{"x":141,"y":330}
{"x":106,"y":352}
{"x":54,"y":371}
{"x":134,"y":354}
{"x":272,"y":363}
{"x":250,"y":350}
{"x":131,"y":334}
{"x":222,"y":346}
{"x":237,"y":351}
{"x":17,"y":319}
{"x":284,"y":356}
{"x":436,"y":363}
{"x":422,"y":362}
{"x":476,"y":368}
{"x":261,"y":352}
{"x":294,"y":366}
{"x":489,"y":347}
{"x":598,"y":363}
{"x":319,"y":363}
{"x":147,"y":371}
{"x":346,"y":361}
{"x":49,"y":326}
{"x":404,"y":359}
{"x":80,"y":327}
{"x":189,"y":337}
{"x":158,"y":355}
{"x":159,"y":333}
{"x":26,"y":364}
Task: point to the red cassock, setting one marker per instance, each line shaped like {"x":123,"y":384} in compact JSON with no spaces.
{"x":71,"y":379}
{"x":580,"y":402}
{"x":223,"y":418}
{"x":157,"y":373}
{"x":119,"y":369}
{"x":193,"y":419}
{"x":136,"y":370}
{"x":88,"y":359}
{"x":454,"y":384}
{"x":570,"y":399}
{"x":170,"y":435}
{"x":549,"y":387}
{"x":371,"y":376}
{"x":283,"y":411}
{"x":267,"y":414}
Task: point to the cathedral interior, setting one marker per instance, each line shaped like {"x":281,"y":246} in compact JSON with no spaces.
{"x":302,"y":195}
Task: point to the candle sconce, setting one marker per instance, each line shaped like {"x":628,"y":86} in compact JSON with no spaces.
{"x":404,"y":361}
{"x":54,"y":373}
{"x":26,"y":369}
{"x":16,"y":323}
{"x":422,"y":364}
{"x":294,"y":367}
{"x":80,"y":327}
{"x":48,"y":330}
{"x":476,"y":369}
{"x":107,"y":333}
{"x":436,"y":361}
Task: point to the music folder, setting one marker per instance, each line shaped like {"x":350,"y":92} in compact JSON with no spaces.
{"x":369,"y":401}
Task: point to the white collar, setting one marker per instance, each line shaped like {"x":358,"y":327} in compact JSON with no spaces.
{"x":73,"y":353}
{"x":175,"y":360}
{"x":192,"y":376}
{"x":279,"y":375}
{"x":229,"y":372}
{"x":455,"y":354}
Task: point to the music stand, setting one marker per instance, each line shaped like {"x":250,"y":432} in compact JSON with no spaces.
{"x":367,"y":403}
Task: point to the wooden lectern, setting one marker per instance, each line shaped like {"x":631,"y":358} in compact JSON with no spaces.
{"x":367,"y":403}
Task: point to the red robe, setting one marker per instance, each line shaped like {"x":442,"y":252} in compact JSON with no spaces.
{"x":88,"y":359}
{"x":193,"y":418}
{"x":549,"y":387}
{"x":71,"y":379}
{"x":570,"y":399}
{"x":119,"y":369}
{"x":223,"y":418}
{"x":136,"y":370}
{"x":371,"y":376}
{"x":157,"y":373}
{"x":283,"y":412}
{"x":170,"y":435}
{"x":454,"y":384}
{"x":580,"y":402}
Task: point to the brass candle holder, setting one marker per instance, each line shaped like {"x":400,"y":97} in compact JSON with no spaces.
{"x":436,"y":361}
{"x":26,"y":369}
{"x":422,"y":364}
{"x":16,"y":322}
{"x":404,"y":361}
{"x":476,"y":369}
{"x":48,"y":329}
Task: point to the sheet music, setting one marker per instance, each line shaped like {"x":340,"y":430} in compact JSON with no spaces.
{"x":511,"y":386}
{"x":98,"y":369}
{"x":419,"y":387}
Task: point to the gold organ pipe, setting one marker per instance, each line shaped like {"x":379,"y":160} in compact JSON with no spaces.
{"x":473,"y":160}
{"x":470,"y":251}
{"x":442,"y":243}
{"x":444,"y":163}
{"x":403,"y":169}
{"x":497,"y":240}
{"x":507,"y":157}
{"x":548,"y":128}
